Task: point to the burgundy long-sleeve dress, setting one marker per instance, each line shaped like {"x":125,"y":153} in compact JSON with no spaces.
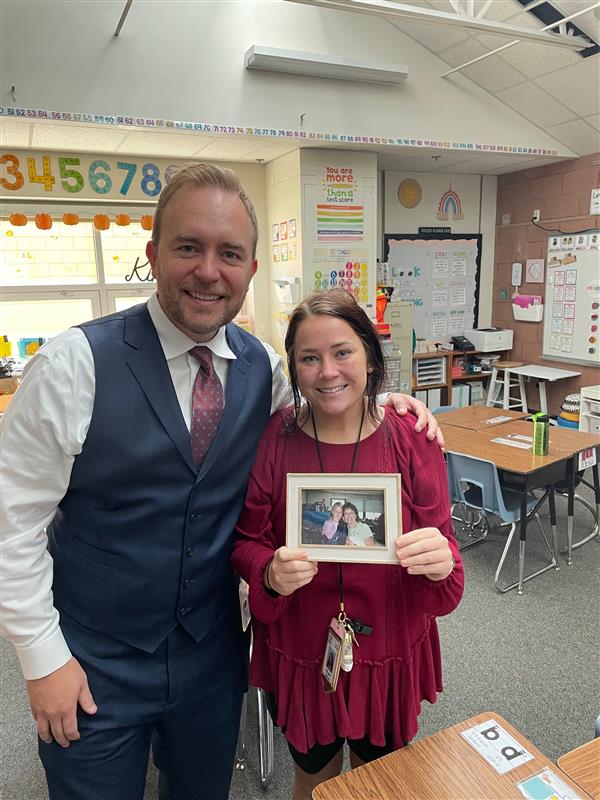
{"x":399,"y":664}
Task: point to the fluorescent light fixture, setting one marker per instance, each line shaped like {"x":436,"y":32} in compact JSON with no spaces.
{"x":316,"y":65}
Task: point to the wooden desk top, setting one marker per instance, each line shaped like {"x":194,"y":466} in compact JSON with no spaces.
{"x":512,"y":459}
{"x":582,"y":765}
{"x":475,"y":417}
{"x":561,"y":440}
{"x":443,"y":765}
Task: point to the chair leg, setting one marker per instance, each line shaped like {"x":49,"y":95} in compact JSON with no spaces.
{"x":595,"y":512}
{"x":240,"y":755}
{"x":523,"y":393}
{"x":511,"y":533}
{"x":522,"y":577}
{"x":265,"y":741}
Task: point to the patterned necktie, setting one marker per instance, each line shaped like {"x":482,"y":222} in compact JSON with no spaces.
{"x":207,"y":405}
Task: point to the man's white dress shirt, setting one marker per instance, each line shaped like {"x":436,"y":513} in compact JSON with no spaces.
{"x":43,"y":429}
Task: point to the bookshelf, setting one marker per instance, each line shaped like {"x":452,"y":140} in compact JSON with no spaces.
{"x":436,"y":377}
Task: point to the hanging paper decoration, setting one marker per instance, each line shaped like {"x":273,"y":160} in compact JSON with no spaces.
{"x":146,"y":222}
{"x":123,"y":219}
{"x":101,"y":222}
{"x":43,"y":221}
{"x":449,"y":205}
{"x":17,"y":219}
{"x":70,"y":219}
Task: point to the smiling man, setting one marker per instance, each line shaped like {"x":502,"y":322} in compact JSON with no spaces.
{"x":118,"y":511}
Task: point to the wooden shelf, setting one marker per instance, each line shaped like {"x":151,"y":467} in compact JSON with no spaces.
{"x":465,"y":377}
{"x":471,"y":376}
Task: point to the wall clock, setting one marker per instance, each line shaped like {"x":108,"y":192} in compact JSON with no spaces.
{"x":409,"y":193}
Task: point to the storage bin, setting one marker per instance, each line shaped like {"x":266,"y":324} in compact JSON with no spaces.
{"x":533,"y":313}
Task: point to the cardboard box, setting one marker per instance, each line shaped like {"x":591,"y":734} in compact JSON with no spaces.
{"x":4,"y":401}
{"x":8,"y":385}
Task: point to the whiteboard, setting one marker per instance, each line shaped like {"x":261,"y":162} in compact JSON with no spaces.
{"x":572,"y":298}
{"x":439,"y":275}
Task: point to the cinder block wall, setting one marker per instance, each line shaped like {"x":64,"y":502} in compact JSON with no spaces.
{"x":562,"y":194}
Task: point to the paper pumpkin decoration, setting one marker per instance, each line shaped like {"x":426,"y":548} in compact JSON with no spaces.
{"x":17,"y":219}
{"x":146,"y":222}
{"x":101,"y":222}
{"x":43,"y":221}
{"x":70,"y":218}
{"x":123,"y":219}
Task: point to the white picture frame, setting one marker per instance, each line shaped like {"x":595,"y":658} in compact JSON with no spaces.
{"x":371,"y":502}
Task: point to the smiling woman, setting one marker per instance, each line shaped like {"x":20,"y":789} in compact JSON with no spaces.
{"x":336,"y":370}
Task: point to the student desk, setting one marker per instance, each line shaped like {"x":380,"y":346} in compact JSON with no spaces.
{"x":542,"y":374}
{"x":443,"y":765}
{"x":523,"y":471}
{"x":570,"y":443}
{"x":475,"y":418}
{"x":582,"y":765}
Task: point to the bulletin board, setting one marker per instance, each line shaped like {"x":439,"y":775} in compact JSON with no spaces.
{"x":439,"y":275}
{"x":572,"y":298}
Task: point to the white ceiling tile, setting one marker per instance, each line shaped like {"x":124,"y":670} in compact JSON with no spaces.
{"x":535,"y":60}
{"x":534,"y":104}
{"x":501,"y":10}
{"x":59,"y":136}
{"x":578,"y":87}
{"x":431,"y":34}
{"x":153,"y":143}
{"x":523,"y":19}
{"x":465,"y":51}
{"x":490,"y":163}
{"x":492,"y":41}
{"x":270,"y":150}
{"x":594,"y":120}
{"x":14,"y":133}
{"x":233,"y":148}
{"x":493,"y":74}
{"x":578,"y":136}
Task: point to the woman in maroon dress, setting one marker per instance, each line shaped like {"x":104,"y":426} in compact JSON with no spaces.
{"x":336,"y":371}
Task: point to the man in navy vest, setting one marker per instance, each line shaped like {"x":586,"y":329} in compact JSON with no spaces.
{"x":116,"y":588}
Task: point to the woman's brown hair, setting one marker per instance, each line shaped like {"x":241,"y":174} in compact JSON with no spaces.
{"x":341,"y":304}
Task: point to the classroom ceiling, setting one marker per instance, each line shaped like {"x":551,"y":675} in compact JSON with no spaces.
{"x":553,"y":88}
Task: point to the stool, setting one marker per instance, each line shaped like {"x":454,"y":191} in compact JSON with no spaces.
{"x":499,"y":390}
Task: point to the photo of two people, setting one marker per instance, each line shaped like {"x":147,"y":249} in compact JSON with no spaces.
{"x":356,"y":520}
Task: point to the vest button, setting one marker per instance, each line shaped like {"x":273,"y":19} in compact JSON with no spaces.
{"x":183,"y":611}
{"x":193,"y":517}
{"x":189,"y":551}
{"x":187,"y":581}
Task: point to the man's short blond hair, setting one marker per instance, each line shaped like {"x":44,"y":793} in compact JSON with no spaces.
{"x":199,"y":175}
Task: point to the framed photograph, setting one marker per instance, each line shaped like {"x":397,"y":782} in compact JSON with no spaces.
{"x":344,"y":517}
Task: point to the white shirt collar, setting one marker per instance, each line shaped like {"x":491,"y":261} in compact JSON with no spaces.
{"x":175,"y":342}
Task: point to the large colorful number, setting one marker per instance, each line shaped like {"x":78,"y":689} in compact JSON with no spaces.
{"x":46,"y":177}
{"x":131,"y":170}
{"x":150,"y":174}
{"x":97,"y":178}
{"x":13,"y":170}
{"x":73,"y":174}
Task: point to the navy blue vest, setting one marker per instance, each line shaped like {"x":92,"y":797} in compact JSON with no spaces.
{"x":141,"y":541}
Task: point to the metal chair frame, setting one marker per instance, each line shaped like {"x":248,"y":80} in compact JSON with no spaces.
{"x":266,"y":751}
{"x":468,"y":485}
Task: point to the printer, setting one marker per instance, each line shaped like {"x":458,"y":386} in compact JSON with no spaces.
{"x":487,"y":340}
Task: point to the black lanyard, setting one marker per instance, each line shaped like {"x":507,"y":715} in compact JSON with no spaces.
{"x":352,"y":467}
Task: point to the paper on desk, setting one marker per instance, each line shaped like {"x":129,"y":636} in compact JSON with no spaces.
{"x":501,"y":750}
{"x":546,"y":786}
{"x":513,"y":443}
{"x":497,"y":420}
